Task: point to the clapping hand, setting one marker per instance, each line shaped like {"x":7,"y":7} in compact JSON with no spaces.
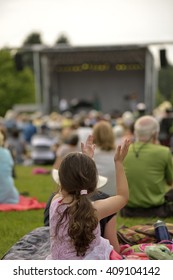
{"x":88,"y":148}
{"x":122,"y":151}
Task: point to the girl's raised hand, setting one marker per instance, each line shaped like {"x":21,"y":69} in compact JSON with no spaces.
{"x":122,"y":151}
{"x":88,"y":148}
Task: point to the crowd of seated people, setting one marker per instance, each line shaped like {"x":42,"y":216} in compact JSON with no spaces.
{"x":148,"y":164}
{"x":61,"y":127}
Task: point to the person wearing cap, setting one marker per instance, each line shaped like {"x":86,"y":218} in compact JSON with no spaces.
{"x":149,"y":171}
{"x":140,"y":110}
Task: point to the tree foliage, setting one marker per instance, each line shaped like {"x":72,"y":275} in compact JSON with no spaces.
{"x":62,"y":39}
{"x":33,"y":39}
{"x":15,"y":87}
{"x":159,"y":98}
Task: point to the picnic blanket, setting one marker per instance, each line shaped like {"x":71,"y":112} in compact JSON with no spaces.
{"x":139,"y":242}
{"x":36,"y":245}
{"x":40,"y":170}
{"x":138,"y":234}
{"x":33,"y":246}
{"x":148,"y":251}
{"x":25,"y":203}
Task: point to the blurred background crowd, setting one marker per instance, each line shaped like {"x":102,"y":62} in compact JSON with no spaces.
{"x":34,"y":138}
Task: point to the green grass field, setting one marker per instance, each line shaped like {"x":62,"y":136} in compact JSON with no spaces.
{"x":16,"y":224}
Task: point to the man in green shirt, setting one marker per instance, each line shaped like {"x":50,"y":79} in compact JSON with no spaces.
{"x":149,"y":171}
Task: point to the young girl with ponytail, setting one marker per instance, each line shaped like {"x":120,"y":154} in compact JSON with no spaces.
{"x":74,"y":218}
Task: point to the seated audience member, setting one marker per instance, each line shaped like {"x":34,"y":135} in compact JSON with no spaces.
{"x":4,"y":131}
{"x":17,"y":146}
{"x":29,"y":130}
{"x":107,"y":224}
{"x":149,"y":171}
{"x":42,"y":151}
{"x":8,"y":191}
{"x":119,"y":132}
{"x":74,"y":220}
{"x":140,"y":110}
{"x":128,"y":120}
{"x":104,"y":139}
{"x":69,"y":145}
{"x":166,"y":128}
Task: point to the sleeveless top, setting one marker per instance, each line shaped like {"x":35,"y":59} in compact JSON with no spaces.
{"x":61,"y":246}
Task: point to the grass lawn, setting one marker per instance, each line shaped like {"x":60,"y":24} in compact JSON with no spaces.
{"x":16,"y":224}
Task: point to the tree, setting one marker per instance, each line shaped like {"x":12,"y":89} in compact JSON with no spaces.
{"x":159,"y":98}
{"x":25,"y":59}
{"x":33,"y":39}
{"x":15,"y":87}
{"x":62,"y":39}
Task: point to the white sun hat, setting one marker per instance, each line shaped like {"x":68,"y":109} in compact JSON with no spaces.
{"x":101,"y":179}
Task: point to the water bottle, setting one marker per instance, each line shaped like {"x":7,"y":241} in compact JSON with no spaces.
{"x":161,"y":231}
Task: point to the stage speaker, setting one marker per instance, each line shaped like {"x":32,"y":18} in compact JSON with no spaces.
{"x":163,"y":59}
{"x":18,"y":61}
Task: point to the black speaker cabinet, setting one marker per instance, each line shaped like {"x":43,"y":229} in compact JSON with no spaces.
{"x":163,"y":59}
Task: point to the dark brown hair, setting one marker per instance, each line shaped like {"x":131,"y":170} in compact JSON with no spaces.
{"x":78,"y":172}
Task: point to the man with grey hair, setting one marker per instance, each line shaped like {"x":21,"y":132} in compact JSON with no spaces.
{"x":149,"y":171}
{"x":146,"y":128}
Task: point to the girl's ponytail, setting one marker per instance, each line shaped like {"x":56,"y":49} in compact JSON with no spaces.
{"x":78,"y":178}
{"x":82,"y":223}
